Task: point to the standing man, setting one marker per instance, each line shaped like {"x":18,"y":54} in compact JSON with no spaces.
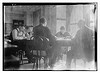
{"x":81,"y":44}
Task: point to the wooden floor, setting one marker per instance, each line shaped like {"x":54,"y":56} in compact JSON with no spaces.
{"x":61,"y":65}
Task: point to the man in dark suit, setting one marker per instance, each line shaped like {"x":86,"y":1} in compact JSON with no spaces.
{"x":42,"y":32}
{"x":81,"y":44}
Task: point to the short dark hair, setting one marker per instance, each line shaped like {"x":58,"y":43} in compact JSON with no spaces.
{"x":42,"y":20}
{"x":81,"y":23}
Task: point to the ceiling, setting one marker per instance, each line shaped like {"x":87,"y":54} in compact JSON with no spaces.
{"x":22,"y":8}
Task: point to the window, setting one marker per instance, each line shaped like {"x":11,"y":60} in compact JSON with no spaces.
{"x":60,"y":17}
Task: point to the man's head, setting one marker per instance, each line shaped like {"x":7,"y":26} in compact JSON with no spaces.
{"x":81,"y":23}
{"x":43,"y":21}
{"x":62,"y":29}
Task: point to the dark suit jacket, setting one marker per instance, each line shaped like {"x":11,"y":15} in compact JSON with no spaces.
{"x":82,"y":44}
{"x":43,"y":31}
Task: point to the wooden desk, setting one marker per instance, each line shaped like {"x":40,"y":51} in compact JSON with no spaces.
{"x":63,"y":42}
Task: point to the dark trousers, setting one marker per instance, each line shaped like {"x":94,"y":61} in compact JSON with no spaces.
{"x":21,"y":44}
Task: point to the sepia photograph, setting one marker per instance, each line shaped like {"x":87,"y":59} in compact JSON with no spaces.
{"x":50,"y":36}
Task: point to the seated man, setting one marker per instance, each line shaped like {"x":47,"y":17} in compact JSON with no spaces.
{"x":62,"y":33}
{"x":17,"y":33}
{"x":17,"y":36}
{"x":11,"y":60}
{"x":42,"y":31}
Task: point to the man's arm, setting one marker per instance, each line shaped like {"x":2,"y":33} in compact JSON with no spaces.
{"x":49,"y":35}
{"x":58,"y":34}
{"x":67,"y":35}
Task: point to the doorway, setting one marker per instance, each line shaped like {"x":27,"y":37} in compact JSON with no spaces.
{"x":36,"y":17}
